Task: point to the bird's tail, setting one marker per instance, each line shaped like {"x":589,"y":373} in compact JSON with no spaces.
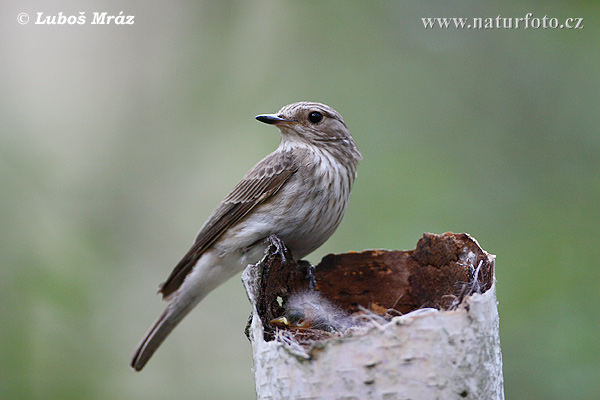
{"x":206,"y":275}
{"x":159,"y":331}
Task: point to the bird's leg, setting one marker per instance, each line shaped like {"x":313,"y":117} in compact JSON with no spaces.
{"x":280,"y":247}
{"x":312,"y":281}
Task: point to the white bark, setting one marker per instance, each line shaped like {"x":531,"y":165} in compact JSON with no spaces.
{"x":426,"y":354}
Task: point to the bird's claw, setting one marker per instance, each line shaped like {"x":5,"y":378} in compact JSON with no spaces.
{"x":310,"y":275}
{"x":280,"y":247}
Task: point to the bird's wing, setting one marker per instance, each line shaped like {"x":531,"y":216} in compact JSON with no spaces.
{"x":259,"y":184}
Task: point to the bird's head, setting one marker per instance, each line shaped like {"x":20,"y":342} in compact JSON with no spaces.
{"x":313,"y":124}
{"x":310,"y":310}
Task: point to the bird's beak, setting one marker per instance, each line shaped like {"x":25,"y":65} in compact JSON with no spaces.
{"x":280,"y":322}
{"x":273,"y":119}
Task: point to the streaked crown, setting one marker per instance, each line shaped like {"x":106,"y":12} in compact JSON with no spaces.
{"x":318,"y":124}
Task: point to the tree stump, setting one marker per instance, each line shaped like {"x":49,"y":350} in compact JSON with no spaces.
{"x":428,"y":324}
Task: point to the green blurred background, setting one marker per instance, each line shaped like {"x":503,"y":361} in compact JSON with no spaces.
{"x":116,"y":142}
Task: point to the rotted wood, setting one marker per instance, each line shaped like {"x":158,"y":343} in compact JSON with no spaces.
{"x":439,"y":273}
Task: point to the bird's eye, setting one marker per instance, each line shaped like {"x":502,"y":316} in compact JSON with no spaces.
{"x":301,"y":322}
{"x":315,"y":117}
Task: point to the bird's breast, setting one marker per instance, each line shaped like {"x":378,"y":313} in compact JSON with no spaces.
{"x":314,"y":202}
{"x":304,"y":213}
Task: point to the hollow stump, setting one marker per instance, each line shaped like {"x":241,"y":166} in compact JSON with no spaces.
{"x":431,"y":330}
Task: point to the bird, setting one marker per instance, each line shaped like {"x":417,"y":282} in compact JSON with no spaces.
{"x":310,"y":310}
{"x":298,"y":193}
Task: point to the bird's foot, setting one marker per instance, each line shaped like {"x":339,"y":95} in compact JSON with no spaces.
{"x":280,"y":247}
{"x":310,"y":275}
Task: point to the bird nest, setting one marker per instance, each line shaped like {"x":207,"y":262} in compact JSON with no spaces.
{"x":372,"y":285}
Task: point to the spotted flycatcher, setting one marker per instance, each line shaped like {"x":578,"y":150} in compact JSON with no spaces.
{"x":298,"y":193}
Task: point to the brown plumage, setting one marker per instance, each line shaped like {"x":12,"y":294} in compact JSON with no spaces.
{"x":298,"y":193}
{"x":255,"y":187}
